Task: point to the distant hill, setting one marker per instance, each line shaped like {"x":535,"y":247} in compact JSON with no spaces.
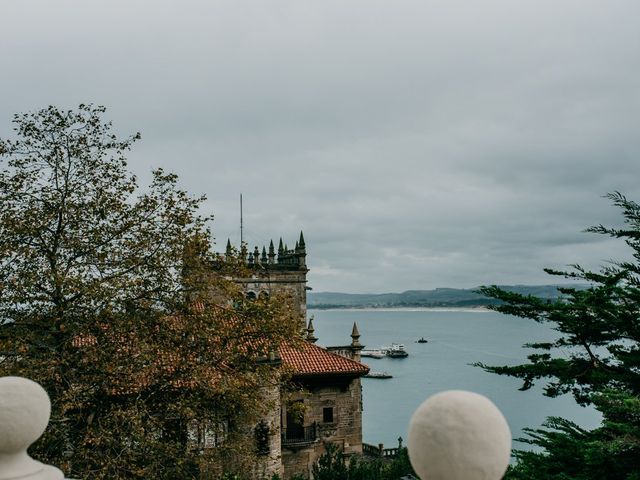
{"x":440,"y":297}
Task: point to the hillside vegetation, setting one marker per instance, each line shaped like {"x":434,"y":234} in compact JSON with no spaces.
{"x":440,"y":297}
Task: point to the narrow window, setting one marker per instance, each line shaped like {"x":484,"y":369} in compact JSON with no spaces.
{"x":327,"y":415}
{"x":262,"y":433}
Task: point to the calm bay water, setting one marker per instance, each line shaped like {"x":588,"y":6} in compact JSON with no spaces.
{"x":457,"y":338}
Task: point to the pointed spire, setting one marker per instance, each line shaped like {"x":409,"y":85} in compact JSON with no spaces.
{"x":301,"y":252}
{"x":280,"y":247}
{"x":272,"y":255}
{"x":355,"y":336}
{"x":263,"y":258}
{"x":229,"y":250}
{"x":310,"y":336}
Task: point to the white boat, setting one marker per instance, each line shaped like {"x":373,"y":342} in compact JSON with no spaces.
{"x":396,"y":350}
{"x":372,"y":353}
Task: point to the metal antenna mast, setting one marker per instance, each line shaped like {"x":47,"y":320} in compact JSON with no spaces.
{"x":241,"y":237}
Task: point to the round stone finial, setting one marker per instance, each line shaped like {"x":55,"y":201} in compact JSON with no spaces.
{"x":24,"y":415}
{"x":459,"y":435}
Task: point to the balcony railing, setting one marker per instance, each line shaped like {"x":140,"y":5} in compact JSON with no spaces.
{"x":379,"y":450}
{"x":299,"y":435}
{"x":453,"y":435}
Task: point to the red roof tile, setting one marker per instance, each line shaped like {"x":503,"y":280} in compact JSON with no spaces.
{"x":310,"y":359}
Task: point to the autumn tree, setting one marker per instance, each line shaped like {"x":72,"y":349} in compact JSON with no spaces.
{"x":111,"y":298}
{"x":596,"y":358}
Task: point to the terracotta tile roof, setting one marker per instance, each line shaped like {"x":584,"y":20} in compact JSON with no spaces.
{"x":310,"y":359}
{"x":303,"y":358}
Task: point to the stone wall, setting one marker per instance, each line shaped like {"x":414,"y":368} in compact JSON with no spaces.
{"x":298,"y":461}
{"x":271,"y":463}
{"x":348,"y":351}
{"x":345,"y":430}
{"x":292,"y":283}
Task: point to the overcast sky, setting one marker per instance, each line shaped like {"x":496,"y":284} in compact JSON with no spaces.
{"x":418,"y":144}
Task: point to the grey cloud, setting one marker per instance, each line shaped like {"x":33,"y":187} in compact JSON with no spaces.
{"x":417,"y":143}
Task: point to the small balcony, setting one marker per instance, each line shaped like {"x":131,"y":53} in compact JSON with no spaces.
{"x":299,"y":436}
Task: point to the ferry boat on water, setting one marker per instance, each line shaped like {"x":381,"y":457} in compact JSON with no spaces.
{"x":396,"y":350}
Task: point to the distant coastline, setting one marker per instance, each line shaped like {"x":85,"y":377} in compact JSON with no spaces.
{"x":440,"y":298}
{"x":478,"y":309}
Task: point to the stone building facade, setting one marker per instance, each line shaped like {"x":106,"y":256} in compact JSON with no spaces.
{"x":326,"y":405}
{"x":330,"y":395}
{"x":284,"y":272}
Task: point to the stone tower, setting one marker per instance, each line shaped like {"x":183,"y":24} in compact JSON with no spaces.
{"x":281,"y":272}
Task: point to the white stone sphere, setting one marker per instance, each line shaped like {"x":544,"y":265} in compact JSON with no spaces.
{"x":459,"y":435}
{"x":24,"y":413}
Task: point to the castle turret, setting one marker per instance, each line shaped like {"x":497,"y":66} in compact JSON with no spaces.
{"x":310,"y":336}
{"x":352,"y":350}
{"x":355,"y":336}
{"x":271,"y":273}
{"x":356,"y":347}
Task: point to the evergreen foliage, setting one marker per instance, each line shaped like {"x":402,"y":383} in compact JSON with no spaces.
{"x":109,"y":298}
{"x":332,"y":466}
{"x":596,"y":359}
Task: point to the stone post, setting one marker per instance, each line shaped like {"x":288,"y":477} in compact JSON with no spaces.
{"x":458,"y":435}
{"x":24,"y":414}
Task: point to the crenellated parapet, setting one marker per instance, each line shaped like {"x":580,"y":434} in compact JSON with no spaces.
{"x":294,"y":259}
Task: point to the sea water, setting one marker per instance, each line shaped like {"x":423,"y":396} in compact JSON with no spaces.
{"x":456,"y":339}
